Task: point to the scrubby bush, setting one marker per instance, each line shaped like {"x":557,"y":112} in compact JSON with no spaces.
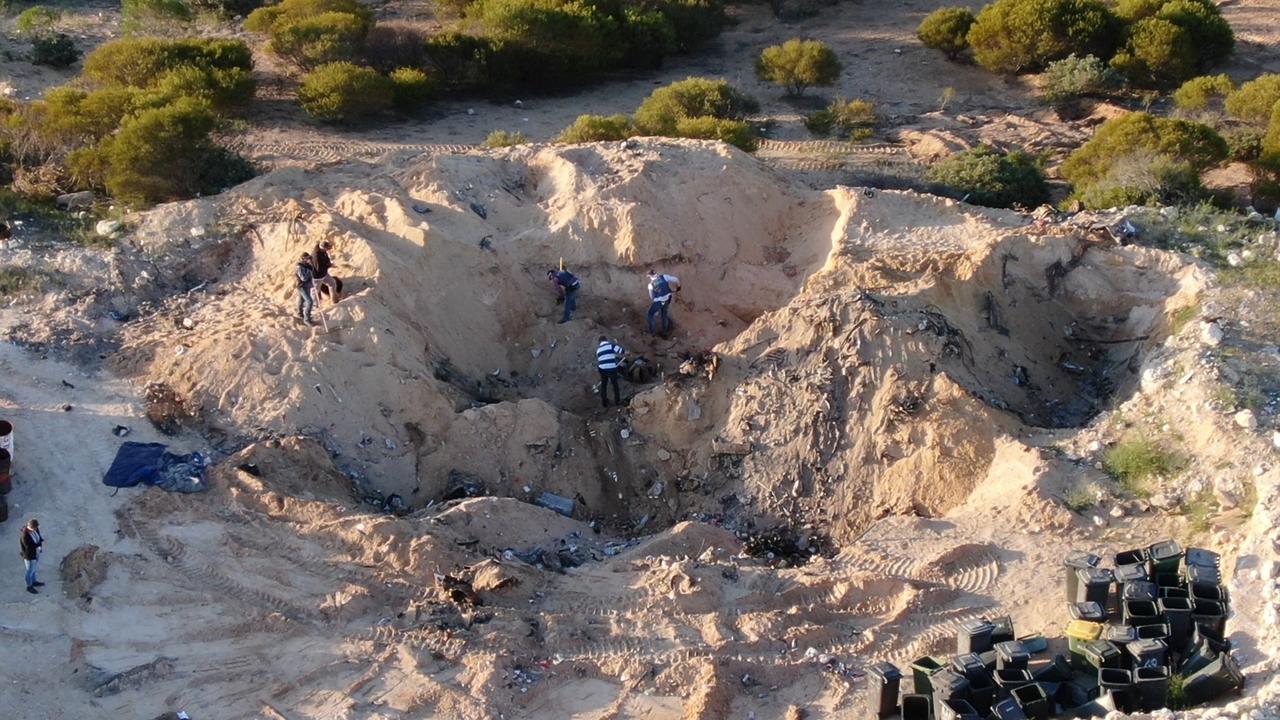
{"x":57,"y":50}
{"x":37,"y":21}
{"x":993,"y":178}
{"x":649,"y":37}
{"x":1269,"y":151}
{"x":844,"y":118}
{"x":1167,"y":151}
{"x":1203,"y":94}
{"x":228,"y":8}
{"x":157,"y":10}
{"x":1244,"y":144}
{"x":693,"y":21}
{"x":1142,"y":178}
{"x":1011,"y":36}
{"x":319,"y":39}
{"x":1137,"y":459}
{"x":411,"y":88}
{"x":598,"y":128}
{"x":798,"y":64}
{"x":387,"y":47}
{"x":947,"y":29}
{"x":138,"y":61}
{"x":222,"y":89}
{"x":461,"y":61}
{"x":1169,"y":41}
{"x":1074,"y":76}
{"x":343,"y":92}
{"x":264,"y":18}
{"x":691,"y":98}
{"x":166,"y":154}
{"x":1255,"y":99}
{"x":506,"y":138}
{"x":733,"y":132}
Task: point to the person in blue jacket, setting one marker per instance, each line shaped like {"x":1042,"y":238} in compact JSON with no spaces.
{"x":567,"y":285}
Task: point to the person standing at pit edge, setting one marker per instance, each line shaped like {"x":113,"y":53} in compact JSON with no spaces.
{"x":30,"y":545}
{"x":305,"y":273}
{"x":608,"y":360}
{"x":567,"y":285}
{"x":662,"y":289}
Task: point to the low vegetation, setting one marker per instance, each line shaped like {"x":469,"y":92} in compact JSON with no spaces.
{"x":506,"y":138}
{"x":799,"y":64}
{"x":1254,"y":101}
{"x":344,"y":93}
{"x":1075,"y":77}
{"x":845,"y":119}
{"x":1203,"y":95}
{"x":1136,"y":459}
{"x":947,"y":29}
{"x":696,"y":107}
{"x":1139,"y":158}
{"x":986,"y":176}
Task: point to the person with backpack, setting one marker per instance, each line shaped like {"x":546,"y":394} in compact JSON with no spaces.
{"x":305,"y":274}
{"x":567,"y":285}
{"x":608,"y":362}
{"x":662,"y":289}
{"x":30,"y":545}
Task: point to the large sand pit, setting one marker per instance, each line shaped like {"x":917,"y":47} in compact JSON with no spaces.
{"x":889,"y":384}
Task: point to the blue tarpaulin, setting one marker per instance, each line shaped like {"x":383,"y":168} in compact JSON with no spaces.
{"x":152,"y":464}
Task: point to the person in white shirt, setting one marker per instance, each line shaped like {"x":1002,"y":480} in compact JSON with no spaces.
{"x":608,"y":362}
{"x":661,"y":289}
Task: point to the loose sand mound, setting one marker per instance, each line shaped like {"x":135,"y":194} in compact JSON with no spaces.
{"x":860,"y":341}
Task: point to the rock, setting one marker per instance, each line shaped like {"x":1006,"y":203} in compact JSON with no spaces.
{"x":1117,"y":512}
{"x":1246,"y":419}
{"x":1099,"y":521}
{"x":197,"y":231}
{"x":1095,"y":446}
{"x":655,"y":490}
{"x":724,"y":447}
{"x":1161,"y":501}
{"x":188,"y":323}
{"x":471,"y":111}
{"x":663,"y":455}
{"x":1227,"y":491}
{"x":1247,"y":255}
{"x":107,"y":228}
{"x":1234,"y":259}
{"x":1275,"y":438}
{"x":1211,"y":334}
{"x":75,"y":200}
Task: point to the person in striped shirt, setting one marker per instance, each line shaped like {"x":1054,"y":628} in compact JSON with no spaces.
{"x":609,"y":363}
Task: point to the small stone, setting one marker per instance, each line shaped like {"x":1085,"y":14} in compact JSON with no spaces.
{"x":1211,"y":334}
{"x":1161,"y":501}
{"x":188,"y":323}
{"x":655,"y":490}
{"x":1247,"y":255}
{"x":1246,"y":419}
{"x":1117,"y":512}
{"x":1275,"y":438}
{"x":1234,"y":260}
{"x":197,"y":231}
{"x":471,"y":111}
{"x":72,"y":201}
{"x":1099,"y":521}
{"x":107,"y":228}
{"x":663,"y":455}
{"x":1095,"y":446}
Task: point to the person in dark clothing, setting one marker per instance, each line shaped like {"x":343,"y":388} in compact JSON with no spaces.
{"x":323,"y":263}
{"x":662,"y":288}
{"x":609,"y":362}
{"x":567,"y":285}
{"x":305,"y":273}
{"x":30,"y":545}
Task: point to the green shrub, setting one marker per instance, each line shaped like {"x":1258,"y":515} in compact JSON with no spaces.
{"x":138,"y":61}
{"x":1073,"y":77}
{"x":692,"y":97}
{"x":1012,"y":36}
{"x":262,"y":19}
{"x":733,"y":132}
{"x":166,"y":154}
{"x":461,"y":61}
{"x":319,"y":39}
{"x":1269,"y":152}
{"x":1135,"y":10}
{"x":649,"y":38}
{"x":37,"y":21}
{"x":1244,"y":144}
{"x":506,"y":138}
{"x":843,"y":118}
{"x":411,"y":88}
{"x":947,"y":29}
{"x":1254,"y":100}
{"x":693,"y":21}
{"x":69,"y":117}
{"x":343,"y":92}
{"x":16,"y":280}
{"x":1120,"y":138}
{"x":163,"y":10}
{"x":388,"y":47}
{"x":56,"y":50}
{"x":1144,"y":178}
{"x":553,"y":44}
{"x":1203,"y":94}
{"x":227,"y":8}
{"x":1135,"y":460}
{"x":992,"y":178}
{"x":1170,"y":40}
{"x":1159,"y":52}
{"x":797,"y":64}
{"x":598,"y":128}
{"x":229,"y":89}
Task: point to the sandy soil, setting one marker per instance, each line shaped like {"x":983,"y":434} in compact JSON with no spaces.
{"x":860,"y":390}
